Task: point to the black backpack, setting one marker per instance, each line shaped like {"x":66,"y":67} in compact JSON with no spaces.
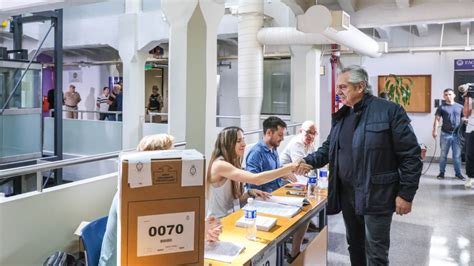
{"x":60,"y":258}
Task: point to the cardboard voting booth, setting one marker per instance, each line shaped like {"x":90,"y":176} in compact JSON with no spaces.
{"x":162,"y":208}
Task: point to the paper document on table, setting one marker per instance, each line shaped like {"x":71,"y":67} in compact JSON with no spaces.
{"x":222,"y":251}
{"x":277,"y":209}
{"x":301,"y":179}
{"x":292,"y":201}
{"x":263,"y":223}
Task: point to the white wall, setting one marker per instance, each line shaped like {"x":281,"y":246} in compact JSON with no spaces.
{"x":34,"y":225}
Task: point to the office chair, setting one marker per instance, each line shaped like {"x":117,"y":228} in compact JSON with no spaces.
{"x":92,"y":235}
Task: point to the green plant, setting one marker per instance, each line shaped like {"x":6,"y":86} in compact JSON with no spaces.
{"x":398,"y":89}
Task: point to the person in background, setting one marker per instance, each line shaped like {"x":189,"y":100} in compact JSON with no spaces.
{"x":51,"y":101}
{"x":155,"y":103}
{"x":374,"y":166}
{"x":301,"y":145}
{"x":226,"y":178}
{"x":108,"y":252}
{"x":113,"y":103}
{"x":71,"y":100}
{"x":450,"y":113}
{"x":469,"y":139}
{"x":102,"y":103}
{"x":119,"y":100}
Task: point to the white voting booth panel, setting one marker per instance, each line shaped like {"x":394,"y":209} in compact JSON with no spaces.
{"x":162,"y":208}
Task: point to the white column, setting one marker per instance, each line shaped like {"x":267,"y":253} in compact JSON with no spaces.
{"x":212,"y":11}
{"x":305,"y":84}
{"x":133,"y":76}
{"x":250,"y":60}
{"x":178,"y":13}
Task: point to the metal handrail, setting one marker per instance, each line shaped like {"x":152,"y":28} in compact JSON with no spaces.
{"x":238,"y":117}
{"x":63,"y":163}
{"x":69,"y":162}
{"x":261,"y":130}
{"x":116,"y":113}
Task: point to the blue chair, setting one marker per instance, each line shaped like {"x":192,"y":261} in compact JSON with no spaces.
{"x":92,"y":235}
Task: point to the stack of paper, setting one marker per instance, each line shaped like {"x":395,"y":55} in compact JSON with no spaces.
{"x":222,"y":251}
{"x":263,"y":223}
{"x":291,"y":201}
{"x":279,"y":206}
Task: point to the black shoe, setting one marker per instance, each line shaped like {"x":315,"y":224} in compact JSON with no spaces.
{"x":461,"y":177}
{"x":440,"y":176}
{"x":313,"y":228}
{"x":290,"y":259}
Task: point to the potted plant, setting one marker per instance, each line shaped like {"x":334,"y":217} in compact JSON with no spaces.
{"x":398,"y":89}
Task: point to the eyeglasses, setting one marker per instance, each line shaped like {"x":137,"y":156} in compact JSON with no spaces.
{"x":311,"y":133}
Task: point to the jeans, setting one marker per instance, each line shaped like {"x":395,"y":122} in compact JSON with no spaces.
{"x":469,"y":154}
{"x":368,"y":236}
{"x":108,"y":252}
{"x":448,"y":140}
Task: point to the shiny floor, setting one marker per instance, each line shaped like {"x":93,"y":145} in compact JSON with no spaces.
{"x":439,"y":231}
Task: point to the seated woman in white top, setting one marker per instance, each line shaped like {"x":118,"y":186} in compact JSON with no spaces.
{"x":225,"y":176}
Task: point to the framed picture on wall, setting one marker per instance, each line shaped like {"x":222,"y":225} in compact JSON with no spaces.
{"x":420,"y":100}
{"x":75,"y":76}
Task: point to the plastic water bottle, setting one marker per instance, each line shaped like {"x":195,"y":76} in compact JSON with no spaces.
{"x":251,"y":220}
{"x":312,"y":179}
{"x":323,"y":179}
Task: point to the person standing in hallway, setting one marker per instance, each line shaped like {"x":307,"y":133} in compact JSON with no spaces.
{"x":155,"y":103}
{"x":301,"y":145}
{"x":374,"y":166}
{"x":119,"y":100}
{"x":469,"y":140}
{"x":450,"y":113}
{"x":51,"y":101}
{"x":102,"y":103}
{"x":113,"y":103}
{"x":71,"y":100}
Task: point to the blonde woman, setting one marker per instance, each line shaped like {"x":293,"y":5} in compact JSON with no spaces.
{"x":108,"y":254}
{"x":226,"y":178}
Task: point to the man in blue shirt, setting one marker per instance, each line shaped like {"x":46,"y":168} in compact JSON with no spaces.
{"x":264,"y":155}
{"x":450,"y":113}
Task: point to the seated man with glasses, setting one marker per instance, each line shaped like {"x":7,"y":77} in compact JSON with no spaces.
{"x":301,"y":145}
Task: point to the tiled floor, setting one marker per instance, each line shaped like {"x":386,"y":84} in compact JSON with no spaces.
{"x":439,"y":231}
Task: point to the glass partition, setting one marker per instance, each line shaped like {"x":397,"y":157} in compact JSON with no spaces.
{"x":28,"y":94}
{"x":20,"y":123}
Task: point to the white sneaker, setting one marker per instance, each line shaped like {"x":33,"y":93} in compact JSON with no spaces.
{"x":468,"y":183}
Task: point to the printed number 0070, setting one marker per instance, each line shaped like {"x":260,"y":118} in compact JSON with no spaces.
{"x":161,"y":230}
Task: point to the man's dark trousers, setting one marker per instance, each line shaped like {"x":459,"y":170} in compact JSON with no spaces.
{"x":368,"y":236}
{"x":469,"y":143}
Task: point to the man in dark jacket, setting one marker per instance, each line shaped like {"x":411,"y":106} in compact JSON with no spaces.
{"x":375,"y":166}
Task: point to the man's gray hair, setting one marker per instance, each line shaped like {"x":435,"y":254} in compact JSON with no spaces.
{"x":358,"y":74}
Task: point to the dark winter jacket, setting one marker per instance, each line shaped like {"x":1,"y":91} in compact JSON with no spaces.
{"x":385,"y":154}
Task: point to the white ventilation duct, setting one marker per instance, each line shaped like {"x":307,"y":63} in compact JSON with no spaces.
{"x":318,"y":20}
{"x":355,"y":40}
{"x":289,"y":36}
{"x":250,"y":61}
